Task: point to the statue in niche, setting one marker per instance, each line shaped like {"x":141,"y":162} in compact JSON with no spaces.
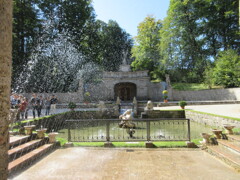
{"x":125,"y":53}
{"x":168,"y":80}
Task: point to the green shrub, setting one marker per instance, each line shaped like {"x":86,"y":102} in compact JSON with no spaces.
{"x":72,"y":105}
{"x":182,"y":103}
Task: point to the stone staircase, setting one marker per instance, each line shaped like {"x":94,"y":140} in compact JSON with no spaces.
{"x":25,"y":150}
{"x":227,"y":151}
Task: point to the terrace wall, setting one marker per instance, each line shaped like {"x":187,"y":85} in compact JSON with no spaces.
{"x":211,"y":120}
{"x":207,"y":95}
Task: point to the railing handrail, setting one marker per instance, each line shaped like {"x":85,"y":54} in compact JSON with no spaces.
{"x":147,"y":121}
{"x":134,"y":119}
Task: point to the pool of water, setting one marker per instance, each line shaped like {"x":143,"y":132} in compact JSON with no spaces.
{"x":160,"y":130}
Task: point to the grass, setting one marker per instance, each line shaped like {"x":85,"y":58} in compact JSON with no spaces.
{"x":162,"y":144}
{"x":191,"y":86}
{"x":227,"y":117}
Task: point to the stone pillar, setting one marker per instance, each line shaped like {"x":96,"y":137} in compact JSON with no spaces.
{"x":5,"y":81}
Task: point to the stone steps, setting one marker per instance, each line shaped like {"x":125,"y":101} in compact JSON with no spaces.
{"x":18,"y":140}
{"x":234,"y":138}
{"x":228,"y":151}
{"x":22,"y":149}
{"x":235,"y":146}
{"x":29,"y":158}
{"x":25,"y":150}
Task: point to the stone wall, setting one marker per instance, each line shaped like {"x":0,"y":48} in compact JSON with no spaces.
{"x":207,"y":95}
{"x":58,"y":121}
{"x":145,"y":89}
{"x":211,"y":120}
{"x":165,"y":114}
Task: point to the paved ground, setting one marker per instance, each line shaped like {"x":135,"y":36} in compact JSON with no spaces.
{"x":120,"y":164}
{"x":231,"y":110}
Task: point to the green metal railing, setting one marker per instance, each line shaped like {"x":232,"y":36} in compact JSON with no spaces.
{"x":101,"y":130}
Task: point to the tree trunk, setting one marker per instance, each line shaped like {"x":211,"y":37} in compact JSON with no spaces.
{"x":5,"y":81}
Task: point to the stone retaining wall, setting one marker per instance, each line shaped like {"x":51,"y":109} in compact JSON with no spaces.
{"x":207,"y":95}
{"x":165,"y":114}
{"x":210,"y":120}
{"x":57,"y":121}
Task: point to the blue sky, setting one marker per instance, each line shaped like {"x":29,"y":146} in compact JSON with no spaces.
{"x":129,"y":13}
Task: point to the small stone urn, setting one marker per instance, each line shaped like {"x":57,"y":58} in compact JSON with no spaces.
{"x":206,"y":137}
{"x":228,"y":128}
{"x":52,"y":137}
{"x":40,"y":133}
{"x":29,"y":129}
{"x":217,"y":133}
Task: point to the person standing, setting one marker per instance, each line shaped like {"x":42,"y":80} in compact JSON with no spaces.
{"x":39,"y":105}
{"x":54,"y":101}
{"x":48,"y":105}
{"x":27,"y":108}
{"x":34,"y":104}
{"x":23,"y":107}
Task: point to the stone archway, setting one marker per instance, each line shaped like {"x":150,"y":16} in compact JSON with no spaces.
{"x":126,"y":91}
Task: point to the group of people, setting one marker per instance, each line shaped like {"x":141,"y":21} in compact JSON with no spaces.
{"x":36,"y":103}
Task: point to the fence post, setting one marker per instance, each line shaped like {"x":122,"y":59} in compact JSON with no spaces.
{"x":189,"y":135}
{"x":107,"y":131}
{"x":69,"y":133}
{"x":148,"y":130}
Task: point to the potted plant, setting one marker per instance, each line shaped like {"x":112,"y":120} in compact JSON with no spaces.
{"x":87,"y":97}
{"x":72,"y":105}
{"x":182,"y":104}
{"x":165,"y":96}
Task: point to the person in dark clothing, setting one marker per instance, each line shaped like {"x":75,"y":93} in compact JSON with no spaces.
{"x":54,"y":101}
{"x":26,"y":112}
{"x":33,"y":103}
{"x":39,"y":105}
{"x":48,"y":105}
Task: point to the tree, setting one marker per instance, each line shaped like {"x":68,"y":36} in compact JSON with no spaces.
{"x":194,"y":32}
{"x":114,"y":43}
{"x":5,"y":76}
{"x":219,"y":20}
{"x":26,"y":27}
{"x":181,"y":43}
{"x":146,"y":52}
{"x":54,"y":64}
{"x":70,"y":17}
{"x":227,"y":69}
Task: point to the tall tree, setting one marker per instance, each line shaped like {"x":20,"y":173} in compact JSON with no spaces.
{"x":182,"y":38}
{"x":5,"y":83}
{"x":220,"y":25}
{"x":26,"y":27}
{"x":115,"y":42}
{"x":146,"y":52}
{"x":71,"y":17}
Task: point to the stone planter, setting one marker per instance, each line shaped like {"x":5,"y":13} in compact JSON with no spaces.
{"x":52,"y":137}
{"x":29,"y":129}
{"x":228,"y":128}
{"x":217,"y":133}
{"x":206,"y":137}
{"x":40,"y":133}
